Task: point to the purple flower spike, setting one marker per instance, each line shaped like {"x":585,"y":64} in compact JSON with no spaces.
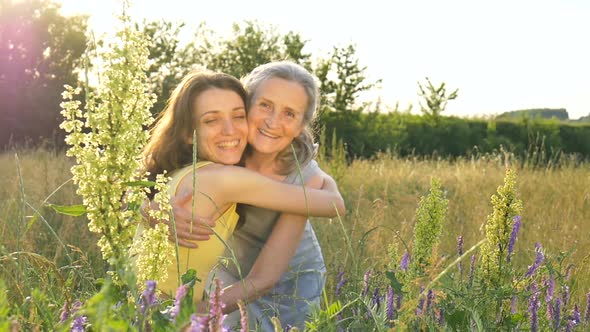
{"x":557,"y":313}
{"x":376,"y":299}
{"x":550,"y":289}
{"x":405,"y":261}
{"x":441,"y":317}
{"x":587,"y":315}
{"x":198,"y":323}
{"x":566,"y":295}
{"x":515,"y":229}
{"x":390,"y":308}
{"x":534,"y":304}
{"x":78,"y":324}
{"x":576,"y":316}
{"x":429,"y":300}
{"x":420,"y":307}
{"x":65,"y":313}
{"x":148,"y":296}
{"x":460,"y":252}
{"x":180,"y":294}
{"x":538,"y":260}
{"x":340,"y":283}
{"x":366,"y":277}
{"x":471,"y":270}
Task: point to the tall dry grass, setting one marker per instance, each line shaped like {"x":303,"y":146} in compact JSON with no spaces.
{"x":381,"y":195}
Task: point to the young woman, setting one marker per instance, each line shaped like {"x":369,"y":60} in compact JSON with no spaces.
{"x":213,"y":105}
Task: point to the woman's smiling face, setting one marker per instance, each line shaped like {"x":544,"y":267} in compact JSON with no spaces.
{"x":276,"y":115}
{"x":219,"y":117}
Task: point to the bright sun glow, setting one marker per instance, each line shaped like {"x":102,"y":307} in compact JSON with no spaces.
{"x":502,"y":55}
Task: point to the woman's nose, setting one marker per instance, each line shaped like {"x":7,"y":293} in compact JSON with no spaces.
{"x":228,"y":127}
{"x":271,"y":120}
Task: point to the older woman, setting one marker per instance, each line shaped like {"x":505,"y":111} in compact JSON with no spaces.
{"x":280,"y":269}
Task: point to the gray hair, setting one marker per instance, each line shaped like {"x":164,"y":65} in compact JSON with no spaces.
{"x":290,"y":71}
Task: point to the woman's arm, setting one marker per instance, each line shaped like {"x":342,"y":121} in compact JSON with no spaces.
{"x":248,"y":187}
{"x":270,"y":264}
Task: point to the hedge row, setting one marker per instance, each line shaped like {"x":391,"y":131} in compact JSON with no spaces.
{"x":365,"y":134}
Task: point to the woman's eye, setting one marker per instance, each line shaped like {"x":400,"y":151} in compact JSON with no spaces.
{"x":264,"y":105}
{"x":209,"y":121}
{"x":290,"y":114}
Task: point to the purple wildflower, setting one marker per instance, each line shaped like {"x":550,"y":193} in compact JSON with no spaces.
{"x":243,"y":317}
{"x":576,"y":315}
{"x":429,"y":300}
{"x":570,"y":326}
{"x":566,"y":295}
{"x":376,"y":299}
{"x":180,"y":294}
{"x":67,"y":311}
{"x":78,"y":324}
{"x":420,"y":307}
{"x":216,"y":315}
{"x":198,"y":323}
{"x":534,"y":304}
{"x":556,"y":313}
{"x":471,"y":270}
{"x":538,"y":260}
{"x":366,"y":277}
{"x":390,"y":308}
{"x":460,"y":252}
{"x":513,"y":305}
{"x":515,"y":229}
{"x":148,"y":296}
{"x":340,"y":283}
{"x":441,"y":317}
{"x":587,"y":315}
{"x":550,"y":289}
{"x":405,"y":261}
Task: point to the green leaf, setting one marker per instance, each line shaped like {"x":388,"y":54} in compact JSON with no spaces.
{"x":395,"y":284}
{"x":69,"y":210}
{"x":140,"y":183}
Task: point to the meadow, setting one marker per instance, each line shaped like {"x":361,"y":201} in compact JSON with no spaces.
{"x":48,"y":258}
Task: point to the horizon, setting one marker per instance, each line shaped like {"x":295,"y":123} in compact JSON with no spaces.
{"x":502,"y":56}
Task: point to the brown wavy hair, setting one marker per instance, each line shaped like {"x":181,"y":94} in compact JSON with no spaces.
{"x":167,"y":149}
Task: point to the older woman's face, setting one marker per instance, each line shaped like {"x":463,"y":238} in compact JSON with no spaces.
{"x":220,"y":120}
{"x":276,"y":115}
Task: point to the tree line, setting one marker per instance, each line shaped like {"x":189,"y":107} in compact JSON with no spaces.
{"x":41,"y":50}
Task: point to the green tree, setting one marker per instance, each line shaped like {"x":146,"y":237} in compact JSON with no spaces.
{"x":167,"y":59}
{"x":249,"y":46}
{"x":434,"y":99}
{"x":342,"y":79}
{"x":40,"y":51}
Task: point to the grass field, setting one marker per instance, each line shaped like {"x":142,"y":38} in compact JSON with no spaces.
{"x":381,"y":196}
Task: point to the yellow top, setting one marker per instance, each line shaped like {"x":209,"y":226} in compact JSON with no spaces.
{"x":203,"y":258}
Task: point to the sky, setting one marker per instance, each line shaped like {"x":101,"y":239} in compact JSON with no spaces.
{"x":501,"y":55}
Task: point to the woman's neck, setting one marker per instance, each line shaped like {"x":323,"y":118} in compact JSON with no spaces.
{"x":262,"y":163}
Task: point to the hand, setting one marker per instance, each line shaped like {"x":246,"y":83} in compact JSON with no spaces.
{"x":200,"y":230}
